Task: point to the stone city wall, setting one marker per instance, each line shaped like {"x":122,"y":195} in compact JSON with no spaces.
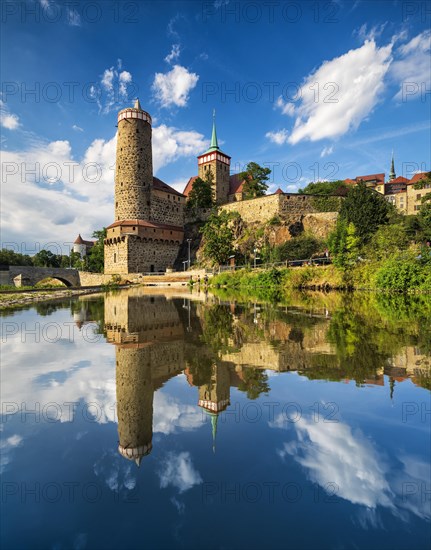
{"x":166,"y":210}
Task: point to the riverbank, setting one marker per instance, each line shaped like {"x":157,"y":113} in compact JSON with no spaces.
{"x":11,"y":300}
{"x":401,"y":277}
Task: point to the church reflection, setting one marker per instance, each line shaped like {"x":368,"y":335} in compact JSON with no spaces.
{"x":218,"y":347}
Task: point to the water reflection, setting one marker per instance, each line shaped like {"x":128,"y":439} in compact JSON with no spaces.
{"x":173,"y":385}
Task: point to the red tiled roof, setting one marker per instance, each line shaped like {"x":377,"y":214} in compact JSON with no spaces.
{"x":80,"y":240}
{"x":378,"y":177}
{"x":143,"y":223}
{"x":278,"y":192}
{"x":418,"y":177}
{"x":236,"y":184}
{"x":399,"y":179}
{"x":349,"y":181}
{"x":162,"y":186}
{"x":189,"y":186}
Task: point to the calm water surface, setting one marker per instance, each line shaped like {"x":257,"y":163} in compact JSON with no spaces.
{"x":137,"y":420}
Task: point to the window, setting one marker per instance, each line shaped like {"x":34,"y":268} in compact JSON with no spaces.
{"x":417,"y":207}
{"x":133,"y":228}
{"x":418,"y":197}
{"x":115,"y":257}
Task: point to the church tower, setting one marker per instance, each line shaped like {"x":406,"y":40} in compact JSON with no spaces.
{"x":218,"y":163}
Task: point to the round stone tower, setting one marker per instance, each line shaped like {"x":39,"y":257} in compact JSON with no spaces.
{"x":134,"y":166}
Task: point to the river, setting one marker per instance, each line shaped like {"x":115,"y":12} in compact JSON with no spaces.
{"x":186,"y":420}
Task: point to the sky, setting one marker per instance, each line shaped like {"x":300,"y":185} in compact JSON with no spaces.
{"x":313,"y":90}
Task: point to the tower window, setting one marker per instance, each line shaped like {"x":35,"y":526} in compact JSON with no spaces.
{"x":133,"y":228}
{"x":115,"y":257}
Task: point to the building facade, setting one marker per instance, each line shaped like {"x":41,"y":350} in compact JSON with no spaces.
{"x":148,"y":228}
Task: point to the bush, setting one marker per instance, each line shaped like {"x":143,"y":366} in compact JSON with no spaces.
{"x":403,"y":273}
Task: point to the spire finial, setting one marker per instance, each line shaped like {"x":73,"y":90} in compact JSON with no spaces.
{"x":137,"y":104}
{"x":392,"y":174}
{"x":214,"y":142}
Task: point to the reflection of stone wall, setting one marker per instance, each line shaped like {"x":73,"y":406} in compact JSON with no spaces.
{"x":134,"y":402}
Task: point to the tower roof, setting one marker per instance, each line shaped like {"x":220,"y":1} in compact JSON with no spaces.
{"x":137,"y":104}
{"x":392,"y":174}
{"x":214,"y":142}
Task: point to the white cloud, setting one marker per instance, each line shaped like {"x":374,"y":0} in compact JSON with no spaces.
{"x":285,"y":107}
{"x":68,"y":196}
{"x":174,"y":54}
{"x":77,"y":128}
{"x":348,"y":464}
{"x":327,"y":151}
{"x":178,"y":471}
{"x":116,"y":87}
{"x":341,"y":93}
{"x":73,"y":18}
{"x":169,"y":144}
{"x":173,"y":88}
{"x":279,"y":137}
{"x":170,"y":414}
{"x":365,"y":33}
{"x":107,"y":79}
{"x":412,"y":66}
{"x":8,"y":120}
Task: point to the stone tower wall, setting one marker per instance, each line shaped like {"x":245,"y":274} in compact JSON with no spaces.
{"x":221,"y":174}
{"x":167,"y":210}
{"x":134,"y":169}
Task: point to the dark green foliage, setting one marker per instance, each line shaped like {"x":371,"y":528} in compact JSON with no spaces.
{"x":218,"y":236}
{"x":344,"y":244}
{"x":404,"y":273}
{"x":366,"y":209}
{"x":298,"y":248}
{"x":201,"y":195}
{"x":254,"y":382}
{"x":45,"y":258}
{"x":325,"y":188}
{"x":327,"y":204}
{"x":95,"y":261}
{"x":256,"y":177}
{"x":9,"y":257}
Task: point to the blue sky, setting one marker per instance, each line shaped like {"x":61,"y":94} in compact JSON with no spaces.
{"x":314,"y":90}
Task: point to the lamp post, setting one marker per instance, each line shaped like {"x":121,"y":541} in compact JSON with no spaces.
{"x":188,"y":242}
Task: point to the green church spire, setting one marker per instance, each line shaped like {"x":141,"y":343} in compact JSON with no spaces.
{"x":392,"y":175}
{"x":214,"y":143}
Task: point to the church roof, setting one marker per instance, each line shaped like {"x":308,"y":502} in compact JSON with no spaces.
{"x":162,"y":186}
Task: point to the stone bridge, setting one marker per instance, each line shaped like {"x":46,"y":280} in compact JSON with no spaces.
{"x":24,"y":275}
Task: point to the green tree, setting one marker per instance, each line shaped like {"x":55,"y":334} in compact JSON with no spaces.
{"x":325,"y":188}
{"x":201,"y":195}
{"x":256,"y":177}
{"x":344,"y":244}
{"x":9,"y":257}
{"x":366,"y":209}
{"x":218,"y":236}
{"x":95,"y":257}
{"x":45,"y":258}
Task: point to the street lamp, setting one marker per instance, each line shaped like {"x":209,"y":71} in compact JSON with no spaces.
{"x":188,"y":242}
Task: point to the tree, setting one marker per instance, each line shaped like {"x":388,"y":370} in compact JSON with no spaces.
{"x":366,"y":209}
{"x":96,"y":254}
{"x":201,"y":195}
{"x":9,"y":257}
{"x":218,"y":236}
{"x":344,"y":244}
{"x":45,"y":258}
{"x":255,"y":177}
{"x":424,"y":216}
{"x":325,"y":188}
